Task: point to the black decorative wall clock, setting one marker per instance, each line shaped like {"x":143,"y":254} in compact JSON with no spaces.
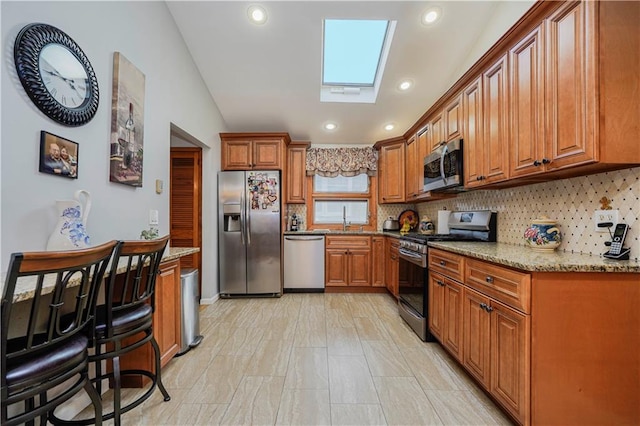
{"x":56,"y":74}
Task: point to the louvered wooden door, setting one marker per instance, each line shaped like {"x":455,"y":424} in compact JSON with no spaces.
{"x":186,"y":198}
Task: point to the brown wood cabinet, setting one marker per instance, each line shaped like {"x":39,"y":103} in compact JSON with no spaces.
{"x":391,"y":171}
{"x":167,"y":325}
{"x":437,"y":130}
{"x":486,"y":144}
{"x":167,"y":317}
{"x":296,"y":172}
{"x":549,"y":347}
{"x":392,"y":245}
{"x":378,"y":261}
{"x":412,"y":171}
{"x":560,"y":87}
{"x":527,"y":105}
{"x":453,"y":116}
{"x":445,"y":313}
{"x":489,"y":338}
{"x":496,"y":351}
{"x":348,"y":261}
{"x":259,"y":151}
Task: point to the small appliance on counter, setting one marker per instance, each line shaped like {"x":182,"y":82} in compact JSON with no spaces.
{"x":391,"y":224}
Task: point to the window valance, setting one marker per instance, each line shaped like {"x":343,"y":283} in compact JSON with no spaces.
{"x":331,"y":162}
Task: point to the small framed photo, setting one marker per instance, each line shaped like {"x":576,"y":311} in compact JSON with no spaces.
{"x":58,"y":156}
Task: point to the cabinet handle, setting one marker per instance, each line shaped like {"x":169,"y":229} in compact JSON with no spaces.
{"x":346,"y":252}
{"x":537,"y":163}
{"x":440,"y":283}
{"x":546,"y":161}
{"x":489,"y":280}
{"x":481,"y":178}
{"x":486,"y":307}
{"x":443,"y":263}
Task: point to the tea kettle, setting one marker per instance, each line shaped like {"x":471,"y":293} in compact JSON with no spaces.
{"x":391,"y":224}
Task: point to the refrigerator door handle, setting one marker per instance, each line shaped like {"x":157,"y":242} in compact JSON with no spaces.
{"x":243,"y":212}
{"x":248,"y":228}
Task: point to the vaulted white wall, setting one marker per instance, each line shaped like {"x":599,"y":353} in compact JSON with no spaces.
{"x":145,"y":33}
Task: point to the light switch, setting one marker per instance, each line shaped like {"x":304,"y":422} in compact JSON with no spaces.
{"x":159,"y":185}
{"x":153,"y":217}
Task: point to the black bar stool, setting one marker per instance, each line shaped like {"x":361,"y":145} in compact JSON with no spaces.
{"x":44,"y":343}
{"x":124,"y":322}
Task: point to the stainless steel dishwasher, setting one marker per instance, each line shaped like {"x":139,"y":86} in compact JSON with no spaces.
{"x":304,"y":263}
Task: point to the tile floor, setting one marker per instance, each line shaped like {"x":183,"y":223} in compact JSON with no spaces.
{"x":313,"y":359}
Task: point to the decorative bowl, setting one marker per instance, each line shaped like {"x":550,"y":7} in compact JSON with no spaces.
{"x":543,"y":235}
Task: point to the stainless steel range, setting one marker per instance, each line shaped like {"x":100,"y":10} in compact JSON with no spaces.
{"x":480,"y":225}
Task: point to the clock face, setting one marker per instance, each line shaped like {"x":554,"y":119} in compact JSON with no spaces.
{"x":56,"y":74}
{"x":63,"y":76}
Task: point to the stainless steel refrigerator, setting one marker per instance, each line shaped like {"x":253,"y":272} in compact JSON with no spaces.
{"x":249,"y":223}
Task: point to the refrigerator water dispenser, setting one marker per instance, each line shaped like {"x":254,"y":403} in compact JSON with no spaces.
{"x":231,"y":214}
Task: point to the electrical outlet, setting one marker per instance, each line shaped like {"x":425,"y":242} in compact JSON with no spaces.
{"x":604,"y":216}
{"x":153,"y":217}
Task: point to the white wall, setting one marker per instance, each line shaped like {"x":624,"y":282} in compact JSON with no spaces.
{"x":505,"y":15}
{"x":145,"y":33}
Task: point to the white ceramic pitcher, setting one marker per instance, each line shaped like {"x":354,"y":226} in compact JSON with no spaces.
{"x":70,"y":232}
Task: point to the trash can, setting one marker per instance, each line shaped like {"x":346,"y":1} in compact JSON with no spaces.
{"x":190,"y":310}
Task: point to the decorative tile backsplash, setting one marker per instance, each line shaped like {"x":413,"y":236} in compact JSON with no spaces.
{"x":571,"y":202}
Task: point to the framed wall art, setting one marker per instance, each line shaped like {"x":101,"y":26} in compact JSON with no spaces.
{"x":58,"y":156}
{"x":127,"y":127}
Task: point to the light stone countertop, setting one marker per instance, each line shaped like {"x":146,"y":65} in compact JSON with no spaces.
{"x":394,"y":234}
{"x":25,"y":289}
{"x":523,"y":258}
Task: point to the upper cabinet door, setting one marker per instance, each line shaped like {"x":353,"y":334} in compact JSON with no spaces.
{"x":437,"y":130}
{"x":526,"y":59}
{"x":453,"y":118}
{"x":237,"y":155}
{"x":411,"y":172}
{"x":391,"y":166}
{"x":254,"y":151}
{"x":296,"y":174}
{"x":267,"y":154}
{"x":571,"y":85}
{"x":473,"y":134}
{"x":496,"y":131}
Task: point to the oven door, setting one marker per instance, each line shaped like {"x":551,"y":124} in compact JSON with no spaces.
{"x":412,"y":286}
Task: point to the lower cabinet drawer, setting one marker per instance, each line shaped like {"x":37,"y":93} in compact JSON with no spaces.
{"x":510,"y":287}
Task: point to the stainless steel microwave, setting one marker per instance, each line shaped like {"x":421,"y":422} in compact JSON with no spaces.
{"x":443,"y":167}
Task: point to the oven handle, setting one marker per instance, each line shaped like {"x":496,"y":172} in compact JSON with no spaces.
{"x":415,"y":258}
{"x":408,"y":309}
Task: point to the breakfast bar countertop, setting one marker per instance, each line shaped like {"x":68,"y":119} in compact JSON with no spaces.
{"x":526,"y":259}
{"x":25,"y":287}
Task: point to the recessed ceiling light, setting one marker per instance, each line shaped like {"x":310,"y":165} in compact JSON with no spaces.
{"x":405,"y":85}
{"x":330,"y":126}
{"x":389,"y":127}
{"x":257,"y":14}
{"x":431,"y":15}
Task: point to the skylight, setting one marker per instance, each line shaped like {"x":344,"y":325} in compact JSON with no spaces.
{"x":354,"y":56}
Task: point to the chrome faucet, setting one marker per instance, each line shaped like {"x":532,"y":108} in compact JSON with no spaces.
{"x":344,"y":218}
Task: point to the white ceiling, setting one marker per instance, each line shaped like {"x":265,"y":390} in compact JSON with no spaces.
{"x":267,"y":77}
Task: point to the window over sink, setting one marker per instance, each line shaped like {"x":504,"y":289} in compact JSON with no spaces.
{"x":342,"y":200}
